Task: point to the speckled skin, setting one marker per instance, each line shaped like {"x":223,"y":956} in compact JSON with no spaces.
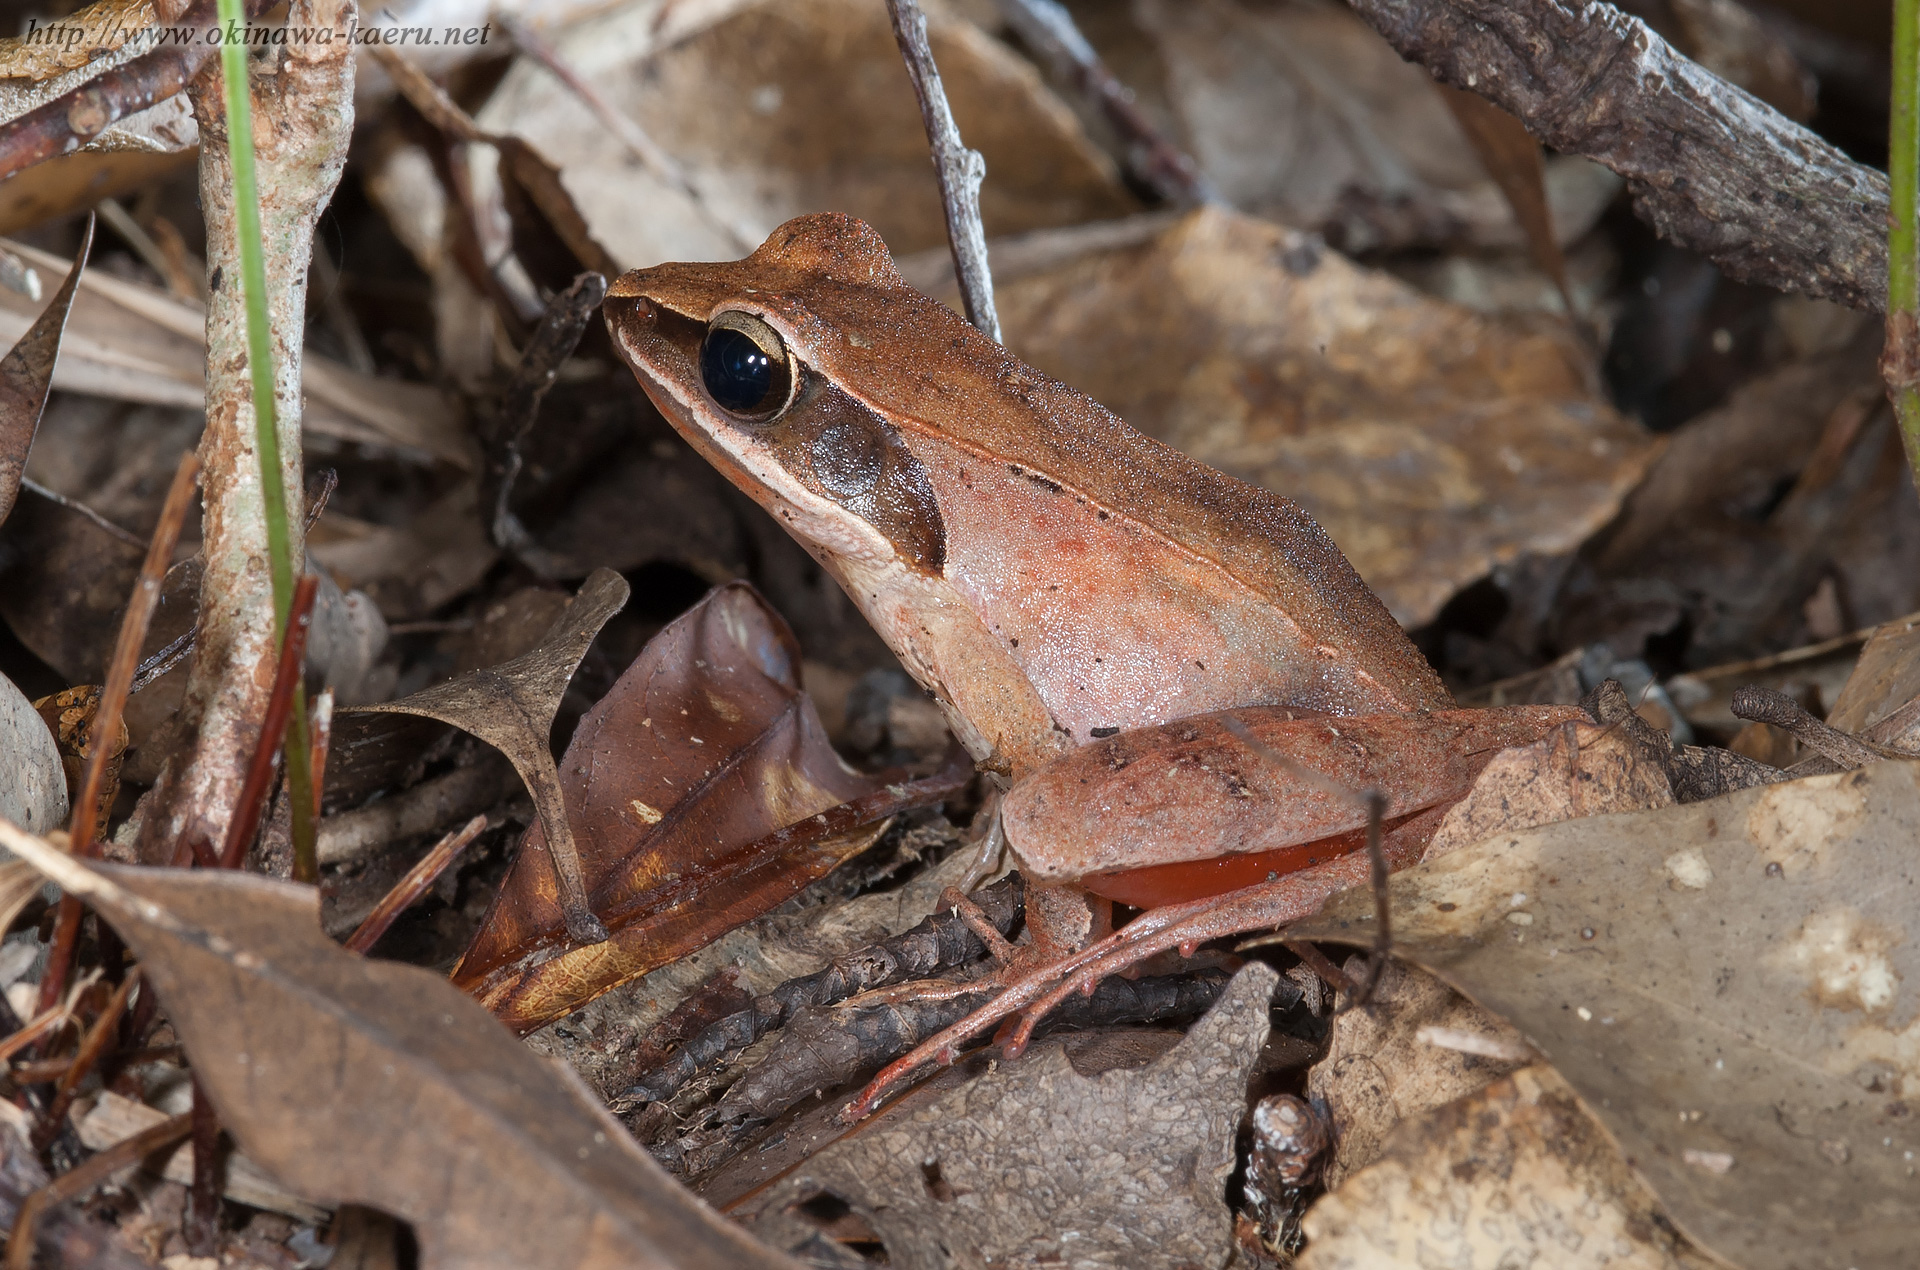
{"x":1040,"y":566}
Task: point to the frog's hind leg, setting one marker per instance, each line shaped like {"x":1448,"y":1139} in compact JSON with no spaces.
{"x":1263,"y":906}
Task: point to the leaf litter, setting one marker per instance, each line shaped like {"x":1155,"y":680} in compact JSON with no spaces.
{"x":1424,"y":394}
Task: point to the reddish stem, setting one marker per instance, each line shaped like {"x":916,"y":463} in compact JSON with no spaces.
{"x":411,"y":887}
{"x":246,"y":812}
{"x":112,"y":708}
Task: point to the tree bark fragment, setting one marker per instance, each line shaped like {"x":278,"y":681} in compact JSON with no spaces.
{"x":1709,"y":166}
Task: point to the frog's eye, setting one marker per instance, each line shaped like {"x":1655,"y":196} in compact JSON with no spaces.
{"x":745,"y":366}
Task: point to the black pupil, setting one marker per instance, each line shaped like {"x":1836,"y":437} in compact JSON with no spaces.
{"x":738,"y":372}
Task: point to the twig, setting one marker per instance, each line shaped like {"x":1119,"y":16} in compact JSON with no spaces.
{"x":286,"y":680}
{"x":301,"y":112}
{"x":1710,"y":167}
{"x":203,"y":1201}
{"x":940,"y":941}
{"x":1048,"y":29}
{"x":1770,"y":706}
{"x":73,"y":119}
{"x":553,"y":341}
{"x":411,"y":887}
{"x":92,"y":1046}
{"x":20,"y":1243}
{"x":111,"y":710}
{"x":827,"y":1048}
{"x":1900,"y":357}
{"x":960,"y":171}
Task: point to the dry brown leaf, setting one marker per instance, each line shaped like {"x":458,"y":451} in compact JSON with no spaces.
{"x":1381,"y":1069}
{"x":1731,"y":986}
{"x":775,"y":109}
{"x":1516,"y":1174}
{"x":1432,"y":444}
{"x":702,"y":792}
{"x":136,"y":342}
{"x":1300,"y":112}
{"x":26,"y":376}
{"x":511,"y":707}
{"x":357,"y":1081}
{"x":1034,"y":1164}
{"x":1886,"y":677}
{"x":1578,"y":769}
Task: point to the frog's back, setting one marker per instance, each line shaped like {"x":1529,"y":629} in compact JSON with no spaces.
{"x":1111,"y":552}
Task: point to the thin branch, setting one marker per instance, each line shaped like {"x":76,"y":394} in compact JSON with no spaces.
{"x":73,"y":119}
{"x":411,"y":887}
{"x":1710,"y":167}
{"x":108,"y":715}
{"x":1048,"y":29}
{"x":286,"y":681}
{"x":959,"y":170}
{"x":20,"y":1244}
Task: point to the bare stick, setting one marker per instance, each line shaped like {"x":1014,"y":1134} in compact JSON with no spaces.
{"x":84,"y":1178}
{"x":203,"y":1202}
{"x":1900,"y":357}
{"x":1777,"y":709}
{"x":411,"y":887}
{"x":71,"y":120}
{"x":92,"y":1046}
{"x":1710,"y":167}
{"x":1153,"y":158}
{"x":113,"y":702}
{"x":959,"y":170}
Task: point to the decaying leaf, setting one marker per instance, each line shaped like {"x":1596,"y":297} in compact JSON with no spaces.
{"x":1432,"y":444}
{"x":1886,"y":678}
{"x":511,"y":707}
{"x":26,"y":376}
{"x":1127,"y":1168}
{"x":114,"y":1118}
{"x":69,"y":716}
{"x":1578,"y":769}
{"x":703,"y":792}
{"x":774,"y":109}
{"x":1383,"y":1067}
{"x":136,"y":342}
{"x":1516,"y":1174}
{"x":1512,"y":158}
{"x":1731,"y":986}
{"x":357,"y":1081}
{"x":1301,"y":113}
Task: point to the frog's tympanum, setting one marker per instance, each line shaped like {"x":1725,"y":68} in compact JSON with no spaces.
{"x":1103,"y":620}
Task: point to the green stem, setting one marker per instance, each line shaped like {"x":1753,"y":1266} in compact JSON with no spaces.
{"x":249,"y":242}
{"x":253,"y":286}
{"x":1901,"y":361}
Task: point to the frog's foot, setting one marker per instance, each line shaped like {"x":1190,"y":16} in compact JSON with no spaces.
{"x":1185,"y":927}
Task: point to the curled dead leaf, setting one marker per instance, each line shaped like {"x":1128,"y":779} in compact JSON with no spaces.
{"x":511,"y":707}
{"x":703,"y":792}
